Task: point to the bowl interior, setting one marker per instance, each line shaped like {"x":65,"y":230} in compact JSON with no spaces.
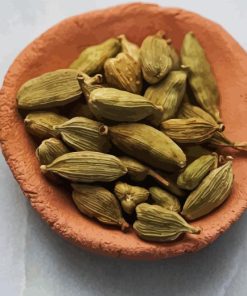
{"x":57,"y":48}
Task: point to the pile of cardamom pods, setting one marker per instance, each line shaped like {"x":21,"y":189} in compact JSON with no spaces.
{"x":134,"y":131}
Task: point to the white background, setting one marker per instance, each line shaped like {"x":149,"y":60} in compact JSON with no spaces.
{"x":36,"y":262}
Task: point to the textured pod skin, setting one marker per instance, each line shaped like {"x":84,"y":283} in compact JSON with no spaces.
{"x":91,"y":60}
{"x":129,"y":47}
{"x":51,"y":89}
{"x":168,"y":93}
{"x":84,"y":134}
{"x":175,"y":58}
{"x":130,"y":196}
{"x":147,"y":144}
{"x":155,"y":223}
{"x":40,"y":124}
{"x":121,"y":106}
{"x":192,"y":130}
{"x":50,"y":149}
{"x":211,"y":193}
{"x":87,"y":166}
{"x":201,"y":78}
{"x":99,"y":203}
{"x":155,"y":58}
{"x":124,"y":72}
{"x":136,"y":170}
{"x":194,"y":173}
{"x":165,"y":199}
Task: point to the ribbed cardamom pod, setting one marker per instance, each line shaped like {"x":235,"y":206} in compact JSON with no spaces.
{"x":40,"y":124}
{"x":91,"y":60}
{"x":123,"y":72}
{"x":130,"y":48}
{"x":130,"y":196}
{"x":211,"y":193}
{"x":155,"y":58}
{"x":155,"y":223}
{"x":147,"y":144}
{"x":84,"y":134}
{"x":175,"y":57}
{"x":201,"y":78}
{"x":168,"y":93}
{"x":192,"y":130}
{"x":50,"y":149}
{"x":51,"y":89}
{"x":165,"y":199}
{"x":119,"y":105}
{"x":99,"y":203}
{"x":87,"y":166}
{"x":194,"y":173}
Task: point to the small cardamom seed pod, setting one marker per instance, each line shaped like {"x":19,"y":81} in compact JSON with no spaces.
{"x":147,"y":144}
{"x":84,"y":134}
{"x":194,"y":173}
{"x":50,"y":149}
{"x":165,"y":199}
{"x":91,"y":60}
{"x":99,"y":203}
{"x":40,"y":124}
{"x":51,"y":89}
{"x":130,"y":196}
{"x":155,"y":223}
{"x":87,"y":166}
{"x":200,"y":78}
{"x":168,"y":93}
{"x":192,"y":130}
{"x":175,"y":57}
{"x":124,"y":73}
{"x":130,"y":48}
{"x":155,"y":58}
{"x":210,"y":194}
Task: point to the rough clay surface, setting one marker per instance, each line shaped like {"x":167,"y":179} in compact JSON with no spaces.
{"x":56,"y":49}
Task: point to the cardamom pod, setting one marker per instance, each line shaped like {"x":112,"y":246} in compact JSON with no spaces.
{"x":50,"y":149}
{"x":51,"y":89}
{"x":168,"y":93}
{"x":155,"y":223}
{"x":40,"y":124}
{"x":155,"y":58}
{"x":87,"y":166}
{"x":130,"y":196}
{"x":165,"y":199}
{"x":192,"y":130}
{"x":84,"y":134}
{"x":99,"y":203}
{"x":200,"y":78}
{"x":91,"y":60}
{"x":123,"y":72}
{"x":130,"y":48}
{"x":174,"y":56}
{"x":194,"y":173}
{"x":211,"y":193}
{"x":147,"y":144}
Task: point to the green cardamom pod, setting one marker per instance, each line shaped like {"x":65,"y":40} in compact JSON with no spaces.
{"x":84,"y":134}
{"x":124,"y":73}
{"x":99,"y":203}
{"x":51,"y":89}
{"x":155,"y":58}
{"x":174,"y":56}
{"x":87,"y":166}
{"x":147,"y":144}
{"x":155,"y":223}
{"x":91,"y":60}
{"x":211,"y":193}
{"x":194,"y":173}
{"x":130,"y":196}
{"x":50,"y":149}
{"x":200,"y":78}
{"x":130,"y":48}
{"x":165,"y":199}
{"x":40,"y":124}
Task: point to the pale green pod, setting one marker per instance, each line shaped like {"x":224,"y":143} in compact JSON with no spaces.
{"x":194,"y":173}
{"x":165,"y":199}
{"x":210,"y":194}
{"x":129,"y":47}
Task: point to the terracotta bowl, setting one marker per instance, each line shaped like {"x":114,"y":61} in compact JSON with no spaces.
{"x":55,"y":49}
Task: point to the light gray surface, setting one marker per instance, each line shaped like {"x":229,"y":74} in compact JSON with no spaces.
{"x":35,"y":261}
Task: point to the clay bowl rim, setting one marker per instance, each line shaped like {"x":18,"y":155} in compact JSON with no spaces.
{"x":105,"y":242}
